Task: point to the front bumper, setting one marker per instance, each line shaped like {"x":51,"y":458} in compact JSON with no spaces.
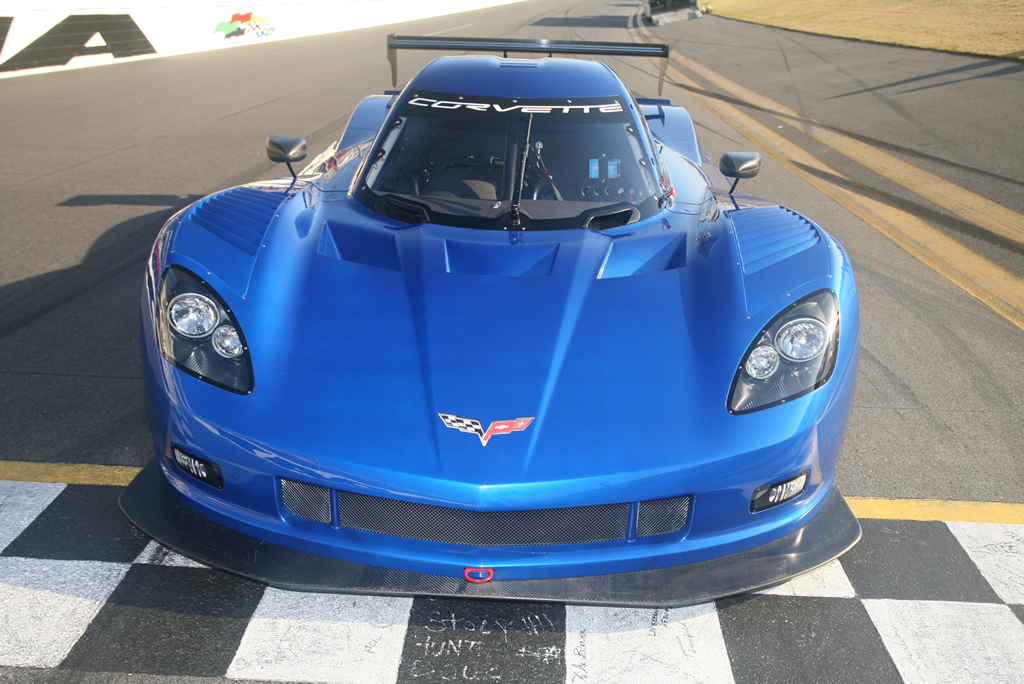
{"x":151,"y":506}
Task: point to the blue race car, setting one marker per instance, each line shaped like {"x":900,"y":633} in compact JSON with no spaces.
{"x":512,"y":336}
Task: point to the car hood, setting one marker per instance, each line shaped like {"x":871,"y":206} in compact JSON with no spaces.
{"x":615,"y":351}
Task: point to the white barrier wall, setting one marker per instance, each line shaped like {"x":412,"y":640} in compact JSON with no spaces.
{"x":67,"y":35}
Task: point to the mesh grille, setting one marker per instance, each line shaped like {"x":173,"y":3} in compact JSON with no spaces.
{"x":483,"y":528}
{"x":408,"y":520}
{"x":307,"y":501}
{"x":662,"y":516}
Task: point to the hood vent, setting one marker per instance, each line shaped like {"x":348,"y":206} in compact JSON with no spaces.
{"x":639,"y":256}
{"x":360,"y":245}
{"x":768,"y":235}
{"x":481,"y":258}
{"x":239,"y":216}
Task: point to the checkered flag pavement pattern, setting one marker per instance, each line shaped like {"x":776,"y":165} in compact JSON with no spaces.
{"x":84,"y":596}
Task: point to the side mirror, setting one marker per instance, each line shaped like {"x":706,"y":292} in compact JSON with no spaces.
{"x":739,"y":165}
{"x":287,"y":150}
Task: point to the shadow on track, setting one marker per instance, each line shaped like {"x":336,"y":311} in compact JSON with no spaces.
{"x":123,"y":246}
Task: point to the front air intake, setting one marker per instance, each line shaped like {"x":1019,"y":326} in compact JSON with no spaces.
{"x":307,"y":501}
{"x":483,"y":528}
{"x":444,"y":525}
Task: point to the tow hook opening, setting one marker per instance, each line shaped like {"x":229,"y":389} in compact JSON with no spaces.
{"x":478,"y":574}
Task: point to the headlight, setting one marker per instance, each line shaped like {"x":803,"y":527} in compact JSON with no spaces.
{"x":199,"y":334}
{"x":192,"y":315}
{"x":795,"y":354}
{"x":762,"y":362}
{"x":226,"y":342}
{"x":801,"y":340}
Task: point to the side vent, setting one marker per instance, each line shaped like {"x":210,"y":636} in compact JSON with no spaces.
{"x":239,"y":216}
{"x":768,"y":235}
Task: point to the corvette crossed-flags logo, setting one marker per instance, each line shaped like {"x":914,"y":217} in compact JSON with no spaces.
{"x":498,"y":427}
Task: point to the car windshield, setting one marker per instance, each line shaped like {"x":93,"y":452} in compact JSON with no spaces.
{"x":458,"y":160}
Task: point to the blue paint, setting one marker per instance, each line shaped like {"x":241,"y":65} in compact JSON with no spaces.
{"x":621,"y":344}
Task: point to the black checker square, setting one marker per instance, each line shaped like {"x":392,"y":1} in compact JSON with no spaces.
{"x":168,"y":621}
{"x":84,"y":522}
{"x":457,"y":640}
{"x":1018,"y":611}
{"x":799,"y":639}
{"x":909,"y":560}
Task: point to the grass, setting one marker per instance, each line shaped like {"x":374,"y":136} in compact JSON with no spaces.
{"x":993,"y":28}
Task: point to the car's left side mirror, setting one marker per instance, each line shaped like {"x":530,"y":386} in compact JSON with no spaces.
{"x":739,"y":165}
{"x":287,"y":150}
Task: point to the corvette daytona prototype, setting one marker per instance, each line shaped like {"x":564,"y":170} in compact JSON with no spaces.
{"x":514,"y":335}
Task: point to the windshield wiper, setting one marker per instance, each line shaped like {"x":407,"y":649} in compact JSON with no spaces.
{"x":517,"y":196}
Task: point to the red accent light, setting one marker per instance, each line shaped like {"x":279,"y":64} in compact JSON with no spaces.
{"x":487,"y":573}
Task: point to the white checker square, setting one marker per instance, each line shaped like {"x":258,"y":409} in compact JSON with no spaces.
{"x":998,"y":551}
{"x":155,"y":554}
{"x":828,"y":581}
{"x":20,"y":503}
{"x":298,"y":636}
{"x":47,"y":606}
{"x":946,"y":641}
{"x":652,"y":646}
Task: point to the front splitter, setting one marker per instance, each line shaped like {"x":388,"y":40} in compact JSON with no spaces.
{"x":150,"y":505}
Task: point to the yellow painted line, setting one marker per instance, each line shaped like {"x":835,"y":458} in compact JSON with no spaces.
{"x":67,"y":473}
{"x":936,"y":509}
{"x":999,"y":288}
{"x":973,"y":208}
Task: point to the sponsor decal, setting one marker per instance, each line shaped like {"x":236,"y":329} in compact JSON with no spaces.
{"x":498,"y":427}
{"x":5,"y":27}
{"x":244,"y":25}
{"x":199,"y":468}
{"x":606,"y":108}
{"x":76,"y":36}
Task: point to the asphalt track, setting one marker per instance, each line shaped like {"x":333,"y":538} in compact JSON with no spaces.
{"x":93,"y":161}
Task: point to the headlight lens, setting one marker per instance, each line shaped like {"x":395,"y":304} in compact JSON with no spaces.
{"x":226,"y":342}
{"x":762,"y":362}
{"x":795,"y":354}
{"x":801,"y":340}
{"x":199,"y":334}
{"x":193,"y":315}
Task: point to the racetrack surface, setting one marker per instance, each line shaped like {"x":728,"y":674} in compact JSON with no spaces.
{"x":89,"y":598}
{"x":93,"y":162}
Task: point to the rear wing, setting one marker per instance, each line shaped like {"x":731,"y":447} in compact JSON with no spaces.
{"x":507,"y":45}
